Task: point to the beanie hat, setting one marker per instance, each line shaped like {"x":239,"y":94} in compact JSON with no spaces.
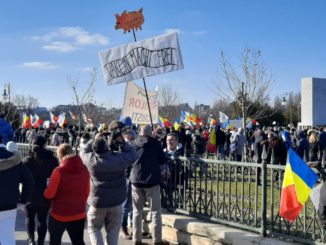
{"x":39,"y":140}
{"x":100,"y":146}
{"x":127,"y":121}
{"x":11,"y":146}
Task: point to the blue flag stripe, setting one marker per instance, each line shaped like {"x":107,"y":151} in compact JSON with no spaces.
{"x":302,"y":169}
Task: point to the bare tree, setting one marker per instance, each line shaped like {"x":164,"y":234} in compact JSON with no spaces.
{"x":26,"y":103}
{"x":82,"y":98}
{"x":221,"y":105}
{"x":248,"y":86}
{"x":169,"y":100}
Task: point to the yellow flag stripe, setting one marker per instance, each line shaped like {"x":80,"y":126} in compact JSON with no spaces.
{"x":301,"y":188}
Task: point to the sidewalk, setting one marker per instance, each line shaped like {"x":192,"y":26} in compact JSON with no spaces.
{"x":21,"y":235}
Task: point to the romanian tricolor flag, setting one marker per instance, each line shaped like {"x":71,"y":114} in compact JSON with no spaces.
{"x":176,"y":124}
{"x":211,"y":121}
{"x":53,"y":118}
{"x":62,"y":120}
{"x":73,"y":116}
{"x":211,"y":146}
{"x":37,"y":121}
{"x":298,"y":182}
{"x":26,"y":122}
{"x":190,"y":118}
{"x":87,"y":120}
{"x":164,"y":122}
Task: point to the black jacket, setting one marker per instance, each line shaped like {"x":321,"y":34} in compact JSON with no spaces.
{"x":146,"y":170}
{"x":12,"y":173}
{"x":220,"y":137}
{"x":41,"y":168}
{"x":276,"y":152}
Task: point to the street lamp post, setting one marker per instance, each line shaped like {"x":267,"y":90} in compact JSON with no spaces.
{"x":289,"y":103}
{"x":6,"y":93}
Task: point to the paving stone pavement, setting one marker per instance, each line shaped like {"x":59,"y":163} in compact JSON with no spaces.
{"x":21,"y":235}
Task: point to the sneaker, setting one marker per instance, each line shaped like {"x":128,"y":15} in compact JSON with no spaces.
{"x":125,"y":234}
{"x":31,"y":242}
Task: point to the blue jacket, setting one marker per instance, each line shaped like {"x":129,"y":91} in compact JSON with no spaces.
{"x":6,"y":131}
{"x":12,"y":173}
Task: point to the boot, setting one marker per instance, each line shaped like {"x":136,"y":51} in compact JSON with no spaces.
{"x":40,"y":242}
{"x":125,"y":234}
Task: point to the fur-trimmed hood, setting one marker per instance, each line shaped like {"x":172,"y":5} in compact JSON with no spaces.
{"x":10,"y":160}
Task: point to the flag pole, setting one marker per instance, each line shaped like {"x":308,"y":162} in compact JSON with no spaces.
{"x":149,"y":108}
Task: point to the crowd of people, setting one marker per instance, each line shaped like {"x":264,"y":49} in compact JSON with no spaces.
{"x":117,"y":171}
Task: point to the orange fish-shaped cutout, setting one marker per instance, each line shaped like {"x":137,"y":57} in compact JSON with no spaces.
{"x":131,"y":20}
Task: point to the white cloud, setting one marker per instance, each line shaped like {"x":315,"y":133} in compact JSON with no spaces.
{"x":61,"y":47}
{"x":83,"y":37}
{"x":68,"y":39}
{"x":39,"y":65}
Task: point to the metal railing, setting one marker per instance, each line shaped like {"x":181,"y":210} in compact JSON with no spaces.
{"x":240,"y":194}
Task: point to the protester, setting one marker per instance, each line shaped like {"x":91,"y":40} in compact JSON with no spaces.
{"x":314,"y":160}
{"x":12,"y":173}
{"x":41,"y":163}
{"x":174,"y":172}
{"x":129,"y":136}
{"x":220,"y":142}
{"x":68,"y":190}
{"x":302,"y":145}
{"x":146,"y":179}
{"x":239,"y":140}
{"x":108,"y":185}
{"x":6,"y":130}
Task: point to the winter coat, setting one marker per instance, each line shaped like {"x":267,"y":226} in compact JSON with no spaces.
{"x":6,"y":131}
{"x":13,"y":173}
{"x":240,"y":140}
{"x":276,"y":152}
{"x":313,"y":152}
{"x":107,"y":171}
{"x":302,"y":148}
{"x":146,"y":170}
{"x":40,"y":163}
{"x":68,"y":190}
{"x":220,"y":137}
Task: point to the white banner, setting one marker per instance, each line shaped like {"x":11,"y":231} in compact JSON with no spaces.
{"x":145,"y":58}
{"x":135,"y":105}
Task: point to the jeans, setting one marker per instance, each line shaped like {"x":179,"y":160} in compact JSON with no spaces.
{"x":7,"y":227}
{"x":41,"y":213}
{"x":221,"y":152}
{"x":139,"y":196}
{"x":127,"y":206}
{"x":110,"y":218}
{"x":75,"y":231}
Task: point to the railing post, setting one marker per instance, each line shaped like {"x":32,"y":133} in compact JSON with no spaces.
{"x":264,"y":200}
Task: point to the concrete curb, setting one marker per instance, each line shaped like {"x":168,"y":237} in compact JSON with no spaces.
{"x":182,"y":229}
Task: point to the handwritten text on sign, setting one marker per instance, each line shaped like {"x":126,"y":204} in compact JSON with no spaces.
{"x":135,"y":104}
{"x":149,"y":57}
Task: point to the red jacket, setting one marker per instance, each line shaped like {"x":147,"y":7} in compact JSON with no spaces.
{"x":68,"y":190}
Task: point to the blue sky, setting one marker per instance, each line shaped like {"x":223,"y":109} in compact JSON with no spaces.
{"x":42,"y":42}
